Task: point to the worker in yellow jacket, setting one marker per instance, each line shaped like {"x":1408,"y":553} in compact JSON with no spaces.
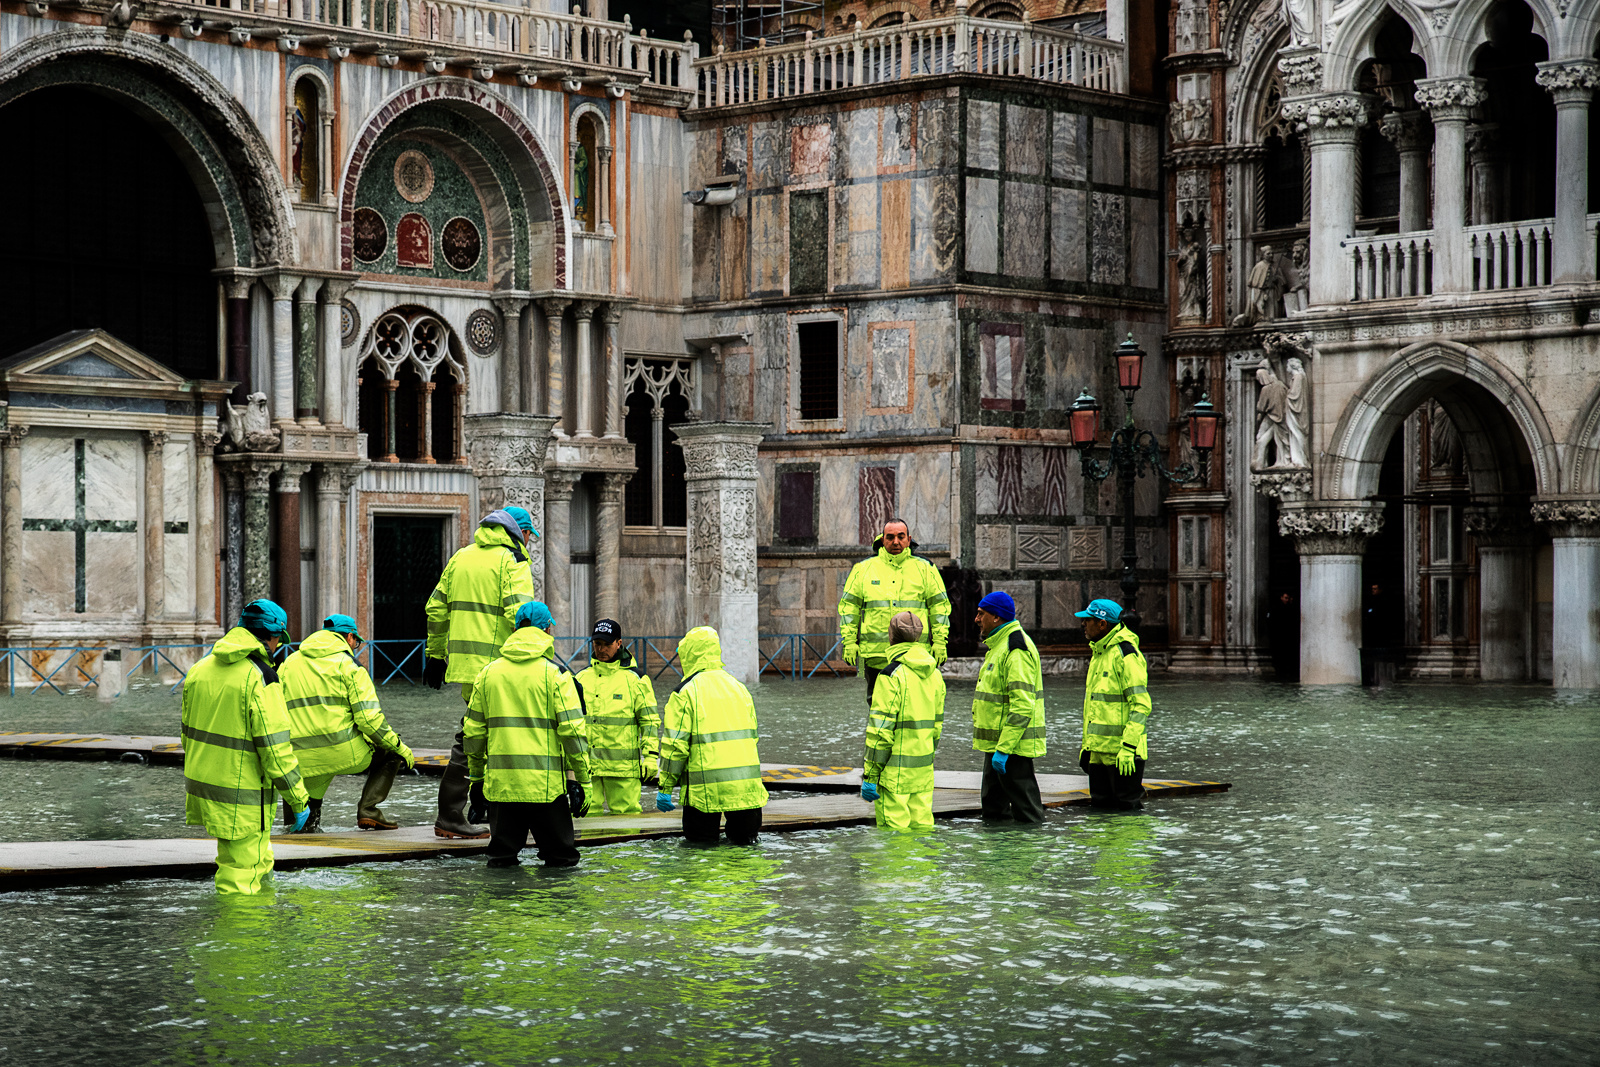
{"x":337,"y":724}
{"x":1116,"y":710}
{"x":893,"y":580}
{"x":470,"y":614}
{"x":526,"y":741}
{"x":236,"y":748}
{"x":620,"y":711}
{"x":1008,"y":714}
{"x":903,"y":731}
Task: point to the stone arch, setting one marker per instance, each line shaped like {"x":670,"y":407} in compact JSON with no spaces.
{"x":1496,"y":414}
{"x":1584,"y":450}
{"x":229,"y":161}
{"x":1356,"y":32}
{"x":504,"y":125}
{"x":325,"y":116}
{"x":1257,"y":57}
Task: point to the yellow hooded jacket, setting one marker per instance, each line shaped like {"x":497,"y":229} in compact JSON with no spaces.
{"x":708,"y":732}
{"x":473,"y":609}
{"x":524,"y":728}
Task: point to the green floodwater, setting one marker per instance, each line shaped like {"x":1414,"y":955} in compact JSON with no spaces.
{"x":1399,"y":877}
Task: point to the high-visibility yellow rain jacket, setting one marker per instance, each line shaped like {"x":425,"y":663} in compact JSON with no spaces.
{"x":622,"y":718}
{"x":525,"y":728}
{"x":906,"y":721}
{"x":473,"y":609}
{"x":1008,"y":708}
{"x":333,"y":708}
{"x":708,"y":732}
{"x":236,"y":748}
{"x":882,"y":587}
{"x":1116,"y":697}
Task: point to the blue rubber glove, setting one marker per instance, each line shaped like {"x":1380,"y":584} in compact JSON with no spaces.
{"x":998,"y":761}
{"x":1125,"y":761}
{"x":664,"y":800}
{"x":300,"y":819}
{"x":869,"y":791}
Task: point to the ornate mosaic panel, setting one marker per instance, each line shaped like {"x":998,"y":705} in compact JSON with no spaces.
{"x":483,"y":331}
{"x":413,"y":176}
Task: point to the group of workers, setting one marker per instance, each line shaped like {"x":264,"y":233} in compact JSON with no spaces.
{"x":539,"y":746}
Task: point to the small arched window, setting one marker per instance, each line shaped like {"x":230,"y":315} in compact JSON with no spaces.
{"x":586,"y":190}
{"x":305,"y":141}
{"x":412,"y":390}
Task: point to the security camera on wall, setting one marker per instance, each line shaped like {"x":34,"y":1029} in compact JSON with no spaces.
{"x":719,"y":192}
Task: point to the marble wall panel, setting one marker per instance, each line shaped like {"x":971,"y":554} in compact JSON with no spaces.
{"x":764,"y":499}
{"x":1144,"y":157}
{"x":659,"y":254}
{"x":1069,"y":147}
{"x":861,"y":148}
{"x":1031,"y":468}
{"x":178,"y":490}
{"x":877,"y":500}
{"x":1026,"y":595}
{"x":934,"y":207}
{"x":1056,"y":383}
{"x":1145,"y":229}
{"x":810,"y":149}
{"x":1058,"y":603}
{"x":735,"y":150}
{"x":1014,"y":494}
{"x":1026,"y":240}
{"x":839,"y":501}
{"x":1039,"y":548}
{"x":112,"y":487}
{"x":178,"y":574}
{"x":983,"y":134}
{"x":935,"y":137}
{"x":48,"y":575}
{"x":897,"y":142}
{"x":896,"y":233}
{"x":178,"y":486}
{"x":1109,"y":136}
{"x":1027,"y":140}
{"x":856,"y":230}
{"x":1002,"y":357}
{"x":1067,"y":244}
{"x":993,"y":544}
{"x":769,"y":243}
{"x":983,"y":207}
{"x":1109,"y":226}
{"x":767,"y":155}
{"x":891,"y":366}
{"x":651,"y":596}
{"x":113,"y":577}
{"x":808,"y":241}
{"x":986,"y":479}
{"x":1062,"y":491}
{"x":47,"y":477}
{"x":924,"y":492}
{"x":705,"y":158}
{"x":1086,"y":548}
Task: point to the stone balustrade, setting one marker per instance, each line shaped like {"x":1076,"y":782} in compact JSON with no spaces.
{"x":1390,"y":266}
{"x":1500,"y":256}
{"x":909,"y":50}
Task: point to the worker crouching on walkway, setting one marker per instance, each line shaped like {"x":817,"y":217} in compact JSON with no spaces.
{"x":903,"y":731}
{"x":708,"y":743}
{"x":1008,"y":714}
{"x":524,"y":732}
{"x":1116,"y":707}
{"x":337,"y":724}
{"x":470,"y":614}
{"x":620,"y":710}
{"x":236,"y":748}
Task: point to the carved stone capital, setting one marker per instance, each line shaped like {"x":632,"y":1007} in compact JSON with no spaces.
{"x":585,"y":309}
{"x":238,"y":286}
{"x":558,"y":484}
{"x":14,"y":435}
{"x":208,"y":440}
{"x":1496,"y":526}
{"x":288,"y":480}
{"x":336,"y":289}
{"x":255,"y":476}
{"x":1408,"y":131}
{"x":719,"y":450}
{"x":1330,"y":528}
{"x":1451,"y":99}
{"x":1569,"y":81}
{"x":507,"y":444}
{"x":613,"y":487}
{"x":1285,"y":484}
{"x":282,"y":285}
{"x":1300,"y":67}
{"x":1330,"y":118}
{"x":611,"y":314}
{"x":155,"y":440}
{"x":508,"y":305}
{"x":1568,"y":518}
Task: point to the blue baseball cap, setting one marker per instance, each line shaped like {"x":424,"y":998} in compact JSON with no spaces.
{"x":342,"y":624}
{"x":1000,"y":605}
{"x":1104,"y":610}
{"x":265,"y":616}
{"x":524,"y":520}
{"x":534,"y":613}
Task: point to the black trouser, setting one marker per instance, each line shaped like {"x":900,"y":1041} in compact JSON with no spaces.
{"x":1109,"y":789}
{"x":872,"y":680}
{"x":551,"y":826}
{"x":1013,"y":795}
{"x":704,"y":827}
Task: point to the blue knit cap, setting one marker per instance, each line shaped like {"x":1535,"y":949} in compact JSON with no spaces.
{"x":535,"y":614}
{"x":1000,"y":605}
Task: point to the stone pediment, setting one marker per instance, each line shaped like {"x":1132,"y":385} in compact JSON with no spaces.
{"x":93,"y":362}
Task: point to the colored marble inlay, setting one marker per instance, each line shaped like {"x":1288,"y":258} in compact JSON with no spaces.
{"x":80,"y":525}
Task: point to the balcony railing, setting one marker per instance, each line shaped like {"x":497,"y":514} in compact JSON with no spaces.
{"x":1499,"y":256}
{"x":1391,"y":266}
{"x":477,"y":27}
{"x":910,"y":50}
{"x":1510,"y":255}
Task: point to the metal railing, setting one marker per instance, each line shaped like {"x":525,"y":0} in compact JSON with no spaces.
{"x":911,"y":49}
{"x":794,"y":648}
{"x":35,"y":663}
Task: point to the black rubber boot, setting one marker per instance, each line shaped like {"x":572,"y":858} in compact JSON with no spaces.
{"x":314,"y":823}
{"x":453,"y":792}
{"x":380,"y":779}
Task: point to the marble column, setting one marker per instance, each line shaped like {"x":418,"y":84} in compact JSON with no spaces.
{"x":1505,"y":582}
{"x":155,"y":526}
{"x":255,"y":568}
{"x":306,"y":392}
{"x":612,"y":317}
{"x":1571,"y":83}
{"x":555,"y":396}
{"x":602,"y":199}
{"x":288,"y":598}
{"x":1412,"y":136}
{"x":427,"y":389}
{"x":390,"y":440}
{"x":608,"y":546}
{"x":282,"y":287}
{"x":237,"y":291}
{"x":1449,"y":103}
{"x":1575,"y":612}
{"x":1331,"y":538}
{"x":557,"y":545}
{"x":1332,"y":128}
{"x":720,"y":461}
{"x":11,"y":523}
{"x":511,"y":352}
{"x":1486,"y":163}
{"x":330,"y":554}
{"x":583,"y":356}
{"x":333,"y":371}
{"x":507,"y":453}
{"x":205,"y":528}
{"x":232,"y":546}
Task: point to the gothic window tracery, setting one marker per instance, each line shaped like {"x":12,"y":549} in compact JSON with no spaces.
{"x":412,"y":390}
{"x":658,"y":392}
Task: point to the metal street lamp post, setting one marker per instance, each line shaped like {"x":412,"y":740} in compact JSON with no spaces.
{"x":1134,"y":452}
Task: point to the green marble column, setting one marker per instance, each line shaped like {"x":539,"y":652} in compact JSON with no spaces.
{"x":306,"y":390}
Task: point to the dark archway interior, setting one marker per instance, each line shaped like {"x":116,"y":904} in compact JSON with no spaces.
{"x":112,"y":234}
{"x":1521,"y":115}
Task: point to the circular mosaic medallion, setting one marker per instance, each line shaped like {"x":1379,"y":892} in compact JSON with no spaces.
{"x":413,"y":176}
{"x":369,"y":235}
{"x":483,"y":331}
{"x":461,"y":243}
{"x":349,"y":323}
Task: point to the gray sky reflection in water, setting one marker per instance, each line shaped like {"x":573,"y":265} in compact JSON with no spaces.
{"x":1405,"y":877}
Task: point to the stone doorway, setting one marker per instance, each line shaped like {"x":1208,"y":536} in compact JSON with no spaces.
{"x":408,"y":555}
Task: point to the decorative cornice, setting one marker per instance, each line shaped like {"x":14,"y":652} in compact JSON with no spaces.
{"x":1571,"y":518}
{"x":1286,"y":485}
{"x":1212,"y":155}
{"x":1450,"y":98}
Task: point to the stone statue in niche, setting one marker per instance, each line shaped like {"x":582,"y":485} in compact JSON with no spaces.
{"x":248,"y":429}
{"x":1297,"y":281}
{"x":1266,"y":289}
{"x":1301,"y":17}
{"x":1444,"y":443}
{"x":1272,"y":405}
{"x":1297,"y":417}
{"x":1191,"y":27}
{"x":1191,"y":273}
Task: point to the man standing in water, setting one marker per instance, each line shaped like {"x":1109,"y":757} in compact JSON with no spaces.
{"x":470,"y":615}
{"x":1116,"y":706}
{"x":903,"y":731}
{"x":1008,"y":714}
{"x":236,"y":748}
{"x":893,"y":580}
{"x":622,"y":721}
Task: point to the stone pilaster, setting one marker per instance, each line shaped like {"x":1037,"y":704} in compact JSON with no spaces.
{"x":1575,"y":549}
{"x":1449,"y":103}
{"x":288,"y":598}
{"x":11,"y":524}
{"x":720,"y":462}
{"x":608,"y":546}
{"x":306,"y":392}
{"x":1572,"y":84}
{"x":155,"y":526}
{"x":507,"y":452}
{"x":1331,"y":537}
{"x":558,"y":545}
{"x":205,"y":528}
